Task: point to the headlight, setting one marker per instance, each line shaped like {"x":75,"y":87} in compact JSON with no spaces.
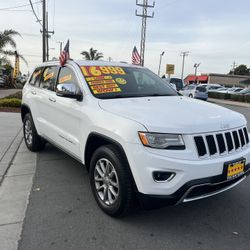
{"x":162,"y":141}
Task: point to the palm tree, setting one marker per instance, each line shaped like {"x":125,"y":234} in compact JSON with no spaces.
{"x":92,"y":54}
{"x":6,"y":38}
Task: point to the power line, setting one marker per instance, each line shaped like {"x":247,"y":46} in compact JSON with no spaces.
{"x":19,"y":6}
{"x":17,"y":10}
{"x":32,"y":7}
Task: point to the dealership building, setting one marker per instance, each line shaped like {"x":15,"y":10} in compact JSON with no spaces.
{"x":223,"y":79}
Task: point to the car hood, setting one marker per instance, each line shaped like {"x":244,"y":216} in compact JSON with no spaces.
{"x":174,"y":114}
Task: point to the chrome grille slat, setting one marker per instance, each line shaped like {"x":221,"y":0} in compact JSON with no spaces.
{"x":217,"y":144}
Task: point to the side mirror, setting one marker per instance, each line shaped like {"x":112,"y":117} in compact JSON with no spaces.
{"x":69,"y":90}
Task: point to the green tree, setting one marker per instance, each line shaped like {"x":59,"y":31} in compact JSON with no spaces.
{"x":92,"y":54}
{"x":240,"y":70}
{"x":7,"y":38}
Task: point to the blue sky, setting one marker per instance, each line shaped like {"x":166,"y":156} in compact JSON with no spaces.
{"x":215,"y":32}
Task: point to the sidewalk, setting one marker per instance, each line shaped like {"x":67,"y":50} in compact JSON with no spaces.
{"x":228,"y":102}
{"x":17,"y":168}
{"x":6,"y":92}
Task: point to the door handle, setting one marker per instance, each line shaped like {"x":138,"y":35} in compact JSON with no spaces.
{"x":52,"y":99}
{"x":33,"y":92}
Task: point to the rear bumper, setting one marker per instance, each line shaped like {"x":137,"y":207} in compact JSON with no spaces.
{"x":193,"y":190}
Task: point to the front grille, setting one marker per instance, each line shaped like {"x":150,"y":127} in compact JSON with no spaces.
{"x":221,"y":143}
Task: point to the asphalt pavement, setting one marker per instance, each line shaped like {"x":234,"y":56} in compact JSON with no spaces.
{"x":62,"y":214}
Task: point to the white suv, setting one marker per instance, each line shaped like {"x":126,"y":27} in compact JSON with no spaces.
{"x":137,"y":136}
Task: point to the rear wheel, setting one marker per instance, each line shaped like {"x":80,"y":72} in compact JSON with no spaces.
{"x":110,"y":181}
{"x":32,"y":140}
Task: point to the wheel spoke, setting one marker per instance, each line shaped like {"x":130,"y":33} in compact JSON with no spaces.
{"x":100,"y":172}
{"x":113,"y":183}
{"x":103,"y":168}
{"x":112,"y":190}
{"x":110,"y":199}
{"x":100,"y":187}
{"x":98,"y":179}
{"x":105,"y":194}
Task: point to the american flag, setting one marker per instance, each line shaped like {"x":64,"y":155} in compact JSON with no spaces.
{"x":136,"y":59}
{"x":64,"y":56}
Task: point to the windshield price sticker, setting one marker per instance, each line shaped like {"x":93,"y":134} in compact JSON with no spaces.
{"x":95,"y":78}
{"x":101,"y":82}
{"x":108,"y":90}
{"x":101,"y":70}
{"x":65,"y":78}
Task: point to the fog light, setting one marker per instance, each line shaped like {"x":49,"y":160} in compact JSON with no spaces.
{"x":161,"y":176}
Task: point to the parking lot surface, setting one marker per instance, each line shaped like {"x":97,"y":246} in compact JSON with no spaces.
{"x":62,"y":214}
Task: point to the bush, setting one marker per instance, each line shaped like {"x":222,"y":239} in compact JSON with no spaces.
{"x":247,"y":98}
{"x":10,"y":102}
{"x":227,"y":96}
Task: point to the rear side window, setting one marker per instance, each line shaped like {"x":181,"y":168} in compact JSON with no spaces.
{"x":34,"y":80}
{"x":48,"y":79}
{"x":201,"y":89}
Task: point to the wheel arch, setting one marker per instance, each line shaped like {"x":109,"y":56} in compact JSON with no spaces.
{"x":96,"y":140}
{"x":24,"y":110}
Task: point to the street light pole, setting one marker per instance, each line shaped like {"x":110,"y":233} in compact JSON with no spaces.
{"x":161,"y":55}
{"x":196,"y":65}
{"x":183,"y":54}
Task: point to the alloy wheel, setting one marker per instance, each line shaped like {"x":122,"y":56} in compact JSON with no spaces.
{"x":106,"y":181}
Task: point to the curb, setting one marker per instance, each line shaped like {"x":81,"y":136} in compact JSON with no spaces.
{"x":10,"y":153}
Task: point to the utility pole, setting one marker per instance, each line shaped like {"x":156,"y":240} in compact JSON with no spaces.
{"x":47,"y":37}
{"x":44,"y":30}
{"x":183,"y":54}
{"x":161,"y":55}
{"x":144,"y":17}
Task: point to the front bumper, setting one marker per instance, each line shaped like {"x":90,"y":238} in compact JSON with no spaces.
{"x":193,"y":190}
{"x":145,"y":161}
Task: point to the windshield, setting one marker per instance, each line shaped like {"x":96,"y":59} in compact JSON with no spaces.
{"x":106,"y":82}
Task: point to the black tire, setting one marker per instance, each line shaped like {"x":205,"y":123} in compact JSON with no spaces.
{"x":191,"y":96}
{"x":33,"y":141}
{"x":125,"y":194}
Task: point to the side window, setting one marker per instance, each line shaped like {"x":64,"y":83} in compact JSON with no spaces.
{"x":34,"y":80}
{"x":66,"y":75}
{"x":48,"y":79}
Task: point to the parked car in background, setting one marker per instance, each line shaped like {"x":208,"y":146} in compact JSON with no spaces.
{"x":177,"y":82}
{"x":211,"y":86}
{"x":244,"y":92}
{"x":3,"y":80}
{"x":195,"y":91}
{"x":234,"y":90}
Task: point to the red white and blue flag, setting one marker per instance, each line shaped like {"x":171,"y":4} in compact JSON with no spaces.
{"x":64,"y":56}
{"x":136,"y":58}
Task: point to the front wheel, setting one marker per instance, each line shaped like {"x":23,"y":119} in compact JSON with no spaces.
{"x":32,"y":140}
{"x":111,"y":181}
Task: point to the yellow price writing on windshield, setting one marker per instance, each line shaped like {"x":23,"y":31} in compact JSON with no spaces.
{"x":102,"y":70}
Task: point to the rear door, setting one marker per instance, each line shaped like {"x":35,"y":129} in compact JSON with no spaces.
{"x":46,"y":98}
{"x":31,"y":95}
